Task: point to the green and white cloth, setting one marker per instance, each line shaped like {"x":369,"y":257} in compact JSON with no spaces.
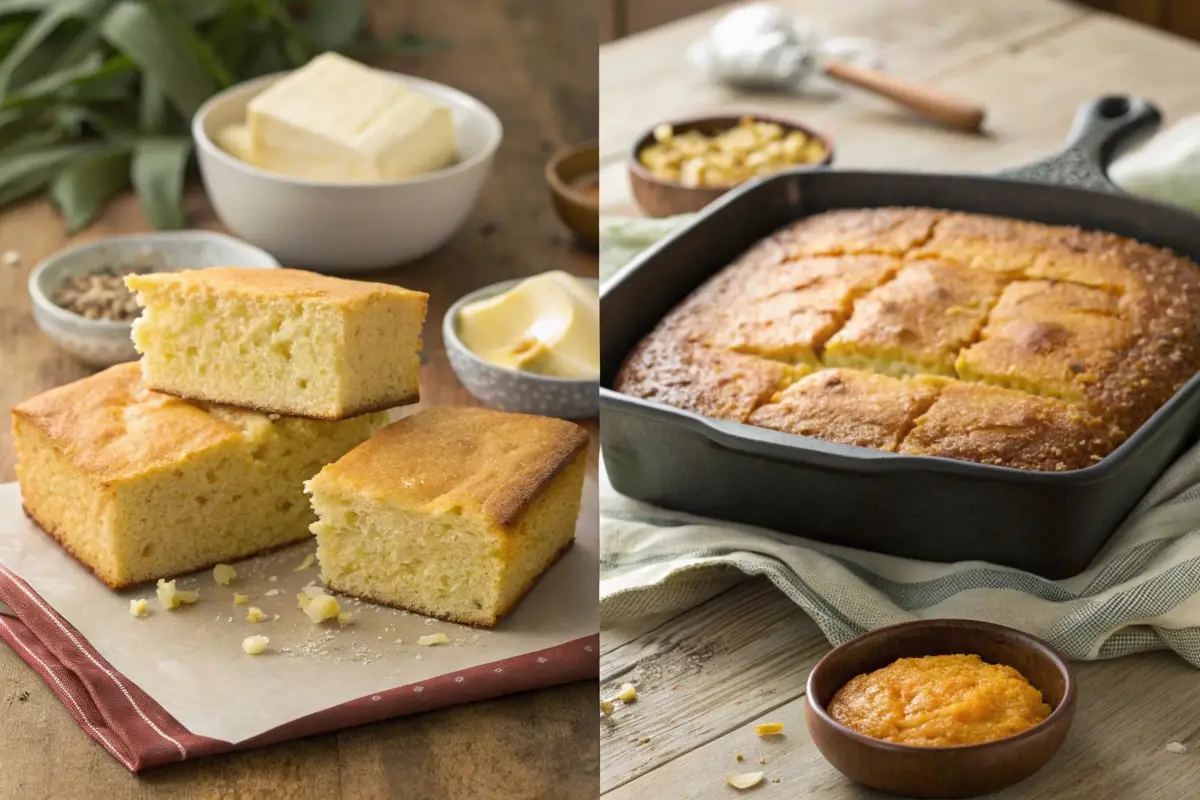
{"x":1142,"y":592}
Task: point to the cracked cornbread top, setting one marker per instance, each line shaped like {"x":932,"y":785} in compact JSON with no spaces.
{"x":934,"y":332}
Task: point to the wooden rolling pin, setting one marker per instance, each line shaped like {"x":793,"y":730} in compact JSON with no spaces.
{"x":945,"y":108}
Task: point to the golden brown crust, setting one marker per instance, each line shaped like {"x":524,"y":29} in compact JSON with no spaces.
{"x":473,"y":460}
{"x":110,"y":426}
{"x":1007,"y":428}
{"x":850,"y":407}
{"x":428,"y":612}
{"x":291,"y":284}
{"x":1101,"y":322}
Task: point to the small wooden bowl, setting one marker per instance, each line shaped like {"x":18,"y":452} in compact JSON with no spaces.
{"x":579,"y":210}
{"x":966,"y":771}
{"x":658,"y":197}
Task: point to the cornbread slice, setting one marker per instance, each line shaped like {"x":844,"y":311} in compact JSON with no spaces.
{"x":283,"y":341}
{"x":140,"y":485}
{"x":1049,"y":338}
{"x":851,"y":407}
{"x":452,"y":512}
{"x":789,"y":313}
{"x":918,"y":322}
{"x":1008,"y":428}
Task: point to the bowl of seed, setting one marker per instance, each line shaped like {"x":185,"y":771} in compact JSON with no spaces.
{"x":79,"y":297}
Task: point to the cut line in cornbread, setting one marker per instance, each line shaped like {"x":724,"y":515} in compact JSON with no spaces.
{"x":1049,"y":338}
{"x":139,"y":485}
{"x":917,"y":322}
{"x":282,"y":341}
{"x":787,"y":313}
{"x":851,"y":407}
{"x":452,"y":513}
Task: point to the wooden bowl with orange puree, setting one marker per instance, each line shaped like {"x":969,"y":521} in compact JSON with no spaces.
{"x":940,"y":708}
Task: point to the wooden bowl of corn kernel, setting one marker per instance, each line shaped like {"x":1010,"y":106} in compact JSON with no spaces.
{"x":682,"y":166}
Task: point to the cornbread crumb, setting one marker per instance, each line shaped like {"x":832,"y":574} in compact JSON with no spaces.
{"x":273,"y":578}
{"x":321,"y":608}
{"x":253,"y":645}
{"x":240,"y":599}
{"x":344,"y":618}
{"x":171,"y":597}
{"x":775,"y":780}
{"x":744,"y":780}
{"x":769,"y":728}
{"x":272,"y":593}
{"x":255,"y":614}
{"x":762,"y":760}
{"x":11,"y":258}
{"x":302,"y":600}
{"x":432,"y":639}
{"x":628,"y":693}
{"x":306,"y":563}
{"x":313,"y":591}
{"x":224,"y":574}
{"x":137,"y":607}
{"x":606,"y":707}
{"x":1179,"y":748}
{"x":739,"y":757}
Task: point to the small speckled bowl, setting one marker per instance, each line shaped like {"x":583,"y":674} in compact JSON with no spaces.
{"x":102,"y":343}
{"x":510,"y":389}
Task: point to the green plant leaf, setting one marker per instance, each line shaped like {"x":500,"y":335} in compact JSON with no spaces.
{"x":55,"y":13}
{"x":152,"y":107}
{"x":93,"y":77}
{"x":202,"y":50}
{"x":26,"y":171}
{"x":332,"y":24}
{"x":134,"y":29}
{"x":159,"y":167}
{"x":196,"y":12}
{"x":10,"y":34}
{"x":81,"y":189}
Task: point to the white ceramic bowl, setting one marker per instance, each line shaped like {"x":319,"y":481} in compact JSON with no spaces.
{"x":346,"y":227}
{"x":510,"y":389}
{"x":102,"y":343}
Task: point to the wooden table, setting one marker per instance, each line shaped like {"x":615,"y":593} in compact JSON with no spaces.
{"x":707,"y":675}
{"x":534,"y":63}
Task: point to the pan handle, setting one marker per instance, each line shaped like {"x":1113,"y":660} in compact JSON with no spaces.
{"x":1102,"y":129}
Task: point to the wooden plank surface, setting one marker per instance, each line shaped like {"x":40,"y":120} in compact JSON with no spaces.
{"x":534,"y":63}
{"x":707,"y":675}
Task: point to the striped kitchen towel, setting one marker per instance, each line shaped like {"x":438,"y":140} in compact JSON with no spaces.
{"x":1142,"y":592}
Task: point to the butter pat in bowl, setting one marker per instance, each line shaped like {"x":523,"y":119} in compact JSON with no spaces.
{"x":530,"y":346}
{"x":343,"y":168}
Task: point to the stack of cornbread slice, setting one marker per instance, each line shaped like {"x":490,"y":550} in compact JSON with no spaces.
{"x":251,"y":381}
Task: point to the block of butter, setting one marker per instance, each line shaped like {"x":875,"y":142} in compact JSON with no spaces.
{"x":336,"y":119}
{"x":548,"y":324}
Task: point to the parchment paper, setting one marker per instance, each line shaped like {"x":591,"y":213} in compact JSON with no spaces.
{"x":191,"y":661}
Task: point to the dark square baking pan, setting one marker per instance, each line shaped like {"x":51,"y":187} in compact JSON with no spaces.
{"x":921,"y":507}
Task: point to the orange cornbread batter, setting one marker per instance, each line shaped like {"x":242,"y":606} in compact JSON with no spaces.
{"x":939,"y":701}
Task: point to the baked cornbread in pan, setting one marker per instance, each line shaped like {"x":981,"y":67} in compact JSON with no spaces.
{"x":140,"y":485}
{"x":930,"y":332}
{"x":283,"y":341}
{"x":453,"y":513}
